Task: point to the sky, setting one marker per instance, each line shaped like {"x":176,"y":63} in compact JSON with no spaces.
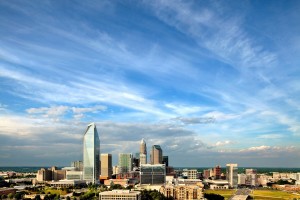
{"x":211,"y":82}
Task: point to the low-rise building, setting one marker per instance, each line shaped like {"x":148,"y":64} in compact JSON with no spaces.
{"x":182,"y":192}
{"x":217,"y":184}
{"x":66,"y":183}
{"x":153,"y":174}
{"x":120,"y":195}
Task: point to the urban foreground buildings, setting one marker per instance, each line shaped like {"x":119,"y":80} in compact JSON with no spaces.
{"x":152,"y":174}
{"x":232,"y":175}
{"x":120,"y":195}
{"x":91,"y":154}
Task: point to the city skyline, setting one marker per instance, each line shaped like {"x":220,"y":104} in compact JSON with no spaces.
{"x":211,"y":82}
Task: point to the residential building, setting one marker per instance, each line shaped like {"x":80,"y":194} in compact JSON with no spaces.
{"x":106,"y":165}
{"x":182,"y":192}
{"x":116,"y":169}
{"x":207,"y":173}
{"x":192,"y":174}
{"x":251,"y":177}
{"x":152,"y":174}
{"x":232,"y":175}
{"x":50,"y":174}
{"x":242,"y":179}
{"x":156,"y":155}
{"x":120,"y":195}
{"x":78,"y":165}
{"x":217,"y":172}
{"x":125,"y":162}
{"x":91,"y":154}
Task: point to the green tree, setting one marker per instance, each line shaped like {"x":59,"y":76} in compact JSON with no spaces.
{"x":10,"y":195}
{"x":37,"y":197}
{"x":116,"y":186}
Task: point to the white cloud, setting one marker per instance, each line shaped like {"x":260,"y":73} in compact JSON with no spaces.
{"x":220,"y":116}
{"x":271,"y":136}
{"x":223,"y":143}
{"x":78,"y":110}
{"x":184,"y":109}
{"x":259,"y":148}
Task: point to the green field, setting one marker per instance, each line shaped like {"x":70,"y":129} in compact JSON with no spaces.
{"x":273,"y":194}
{"x":54,"y":191}
{"x":259,"y":194}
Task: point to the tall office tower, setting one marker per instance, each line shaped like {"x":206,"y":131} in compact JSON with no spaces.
{"x":232,"y":175}
{"x":125,"y":162}
{"x":143,"y":152}
{"x":106,"y":165}
{"x":165,"y":160}
{"x":156,"y":155}
{"x":91,"y":154}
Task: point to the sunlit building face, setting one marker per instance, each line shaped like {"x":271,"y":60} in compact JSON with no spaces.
{"x":91,"y":154}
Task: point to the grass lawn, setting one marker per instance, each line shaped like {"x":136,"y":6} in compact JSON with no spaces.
{"x":273,"y":194}
{"x":258,"y":194}
{"x":54,"y":191}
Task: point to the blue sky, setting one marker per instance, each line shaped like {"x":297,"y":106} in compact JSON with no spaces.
{"x":212,"y":82}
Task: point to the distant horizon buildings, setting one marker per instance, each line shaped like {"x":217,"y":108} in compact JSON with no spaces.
{"x":91,"y":154}
{"x":143,"y":152}
{"x":77,"y":164}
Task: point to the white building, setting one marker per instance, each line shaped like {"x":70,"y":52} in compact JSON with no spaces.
{"x":120,"y":195}
{"x":232,"y":175}
{"x":242,"y":179}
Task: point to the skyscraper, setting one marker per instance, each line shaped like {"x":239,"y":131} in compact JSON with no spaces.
{"x":232,"y":175}
{"x":125,"y":162}
{"x":91,"y":154}
{"x":106,"y":165}
{"x":156,"y":155}
{"x":143,"y":152}
{"x":165,"y":160}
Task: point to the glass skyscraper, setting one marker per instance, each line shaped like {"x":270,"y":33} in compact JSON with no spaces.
{"x":125,"y":162}
{"x":91,"y":154}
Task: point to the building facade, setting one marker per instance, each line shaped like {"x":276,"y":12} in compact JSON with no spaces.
{"x":125,"y":162}
{"x":51,"y":174}
{"x":217,"y":172}
{"x":232,"y":175}
{"x":143,"y":152}
{"x":106,"y":165}
{"x":120,"y":195}
{"x":91,"y":154}
{"x":165,"y":160}
{"x":156,"y":155}
{"x":77,"y":164}
{"x":152,"y":174}
{"x":182,"y":192}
